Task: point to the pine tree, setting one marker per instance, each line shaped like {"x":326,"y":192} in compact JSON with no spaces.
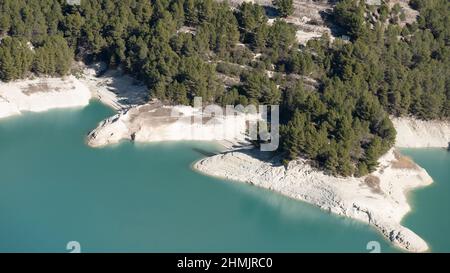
{"x":15,"y":58}
{"x":284,"y":7}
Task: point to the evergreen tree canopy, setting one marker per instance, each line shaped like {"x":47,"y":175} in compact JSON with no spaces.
{"x":335,"y":97}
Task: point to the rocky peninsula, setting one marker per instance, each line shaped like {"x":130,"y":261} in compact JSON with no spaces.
{"x":379,"y":199}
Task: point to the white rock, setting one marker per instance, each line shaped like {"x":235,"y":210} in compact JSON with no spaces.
{"x":414,"y":133}
{"x":154,"y":122}
{"x":351,"y":197}
{"x":42,"y":94}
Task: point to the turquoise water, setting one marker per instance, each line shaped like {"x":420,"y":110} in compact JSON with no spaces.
{"x":430,"y":216}
{"x":146,"y":198}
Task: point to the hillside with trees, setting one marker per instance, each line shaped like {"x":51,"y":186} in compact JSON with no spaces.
{"x":183,"y":48}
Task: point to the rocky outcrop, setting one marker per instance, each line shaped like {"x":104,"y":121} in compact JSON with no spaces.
{"x":155,"y":122}
{"x":414,"y":133}
{"x":42,"y":94}
{"x":378,"y":199}
{"x":112,"y":87}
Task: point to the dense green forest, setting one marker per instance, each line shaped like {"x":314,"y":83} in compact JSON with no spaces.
{"x":182,"y":49}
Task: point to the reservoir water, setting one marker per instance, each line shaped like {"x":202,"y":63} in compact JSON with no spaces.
{"x":146,"y":198}
{"x":430,"y":216}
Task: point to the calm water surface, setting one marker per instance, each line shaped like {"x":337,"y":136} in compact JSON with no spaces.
{"x":146,"y":198}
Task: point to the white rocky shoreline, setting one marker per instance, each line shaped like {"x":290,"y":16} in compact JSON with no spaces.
{"x":41,"y":94}
{"x":378,"y":199}
{"x":38,"y":94}
{"x":414,"y":133}
{"x":153,"y":122}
